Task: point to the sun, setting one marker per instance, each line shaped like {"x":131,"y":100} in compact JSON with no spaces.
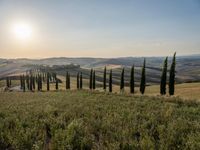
{"x":22,"y":31}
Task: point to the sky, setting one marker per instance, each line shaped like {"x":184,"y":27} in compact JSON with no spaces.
{"x":99,"y":28}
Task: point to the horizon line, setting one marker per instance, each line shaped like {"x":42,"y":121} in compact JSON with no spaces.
{"x":39,"y":58}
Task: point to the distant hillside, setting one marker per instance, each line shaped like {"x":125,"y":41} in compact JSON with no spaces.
{"x":188,"y":67}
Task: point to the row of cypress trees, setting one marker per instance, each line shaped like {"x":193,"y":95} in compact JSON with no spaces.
{"x":163,"y":82}
{"x":31,"y":80}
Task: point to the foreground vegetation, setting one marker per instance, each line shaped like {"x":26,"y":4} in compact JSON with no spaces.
{"x":94,"y":120}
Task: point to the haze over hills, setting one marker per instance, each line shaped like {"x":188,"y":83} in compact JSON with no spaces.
{"x":187,"y":67}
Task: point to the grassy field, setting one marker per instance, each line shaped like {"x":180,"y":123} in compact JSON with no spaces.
{"x":97,"y":120}
{"x":185,"y":90}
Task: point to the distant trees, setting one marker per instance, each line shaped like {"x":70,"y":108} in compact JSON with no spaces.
{"x":48,"y":78}
{"x":122,"y":81}
{"x":31,"y":83}
{"x":110,"y":81}
{"x":143,"y":78}
{"x":28,"y":81}
{"x":39,"y":82}
{"x":67,"y":81}
{"x":104,"y":79}
{"x":56,"y":82}
{"x":90,"y":83}
{"x":81,"y":81}
{"x":77,"y":81}
{"x":94,"y":81}
{"x":7,"y":82}
{"x":172,"y":75}
{"x":23,"y":83}
{"x":132,"y":84}
{"x":69,"y":84}
{"x":163,"y":78}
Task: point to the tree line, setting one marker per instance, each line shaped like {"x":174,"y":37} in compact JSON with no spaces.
{"x":30,"y":81}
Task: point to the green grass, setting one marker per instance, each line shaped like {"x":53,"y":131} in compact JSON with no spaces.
{"x":94,"y":120}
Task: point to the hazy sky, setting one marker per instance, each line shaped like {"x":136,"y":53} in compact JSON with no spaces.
{"x":100,"y":28}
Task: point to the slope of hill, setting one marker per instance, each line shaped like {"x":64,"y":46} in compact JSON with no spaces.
{"x":188,"y":67}
{"x":85,"y":120}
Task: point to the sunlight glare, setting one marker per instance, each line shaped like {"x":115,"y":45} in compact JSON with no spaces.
{"x":22,"y":31}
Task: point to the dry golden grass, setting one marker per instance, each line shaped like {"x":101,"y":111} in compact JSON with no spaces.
{"x":185,"y":90}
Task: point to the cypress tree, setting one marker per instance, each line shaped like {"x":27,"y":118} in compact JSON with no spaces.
{"x":31,"y":83}
{"x":90,"y":83}
{"x":132,"y":82}
{"x":94,"y":81}
{"x":163,"y":80}
{"x":110,"y":81}
{"x":122,"y":81}
{"x":56,"y":83}
{"x":77,"y":81}
{"x":81,"y":81}
{"x":40,"y":82}
{"x":172,"y":75}
{"x":23,"y":82}
{"x":48,"y":87}
{"x":104,"y":79}
{"x":143,"y":78}
{"x":69,"y":81}
{"x":27,"y":82}
{"x":7,"y":82}
{"x":66,"y":79}
{"x":10,"y":81}
{"x":34,"y":82}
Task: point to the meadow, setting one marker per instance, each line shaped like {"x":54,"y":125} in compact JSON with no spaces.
{"x":97,"y":120}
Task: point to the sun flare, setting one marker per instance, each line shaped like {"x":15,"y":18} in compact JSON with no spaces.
{"x":22,"y":31}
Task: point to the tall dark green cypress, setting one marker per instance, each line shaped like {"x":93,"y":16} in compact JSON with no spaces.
{"x":23,"y":82}
{"x":38,"y":82}
{"x":66,"y":81}
{"x":163,"y":80}
{"x":94,"y":81}
{"x":143,"y":78}
{"x":41,"y":83}
{"x":104,"y":79}
{"x":10,"y":82}
{"x":48,"y":87}
{"x":172,"y":75}
{"x":81,"y":81}
{"x":27,"y":82}
{"x":77,"y":81}
{"x":7,"y":82}
{"x":122,"y":81}
{"x":34,"y":82}
{"x":69,"y":84}
{"x":31,"y":83}
{"x":90,"y":83}
{"x":56,"y":83}
{"x":132,"y":82}
{"x":110,"y":81}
